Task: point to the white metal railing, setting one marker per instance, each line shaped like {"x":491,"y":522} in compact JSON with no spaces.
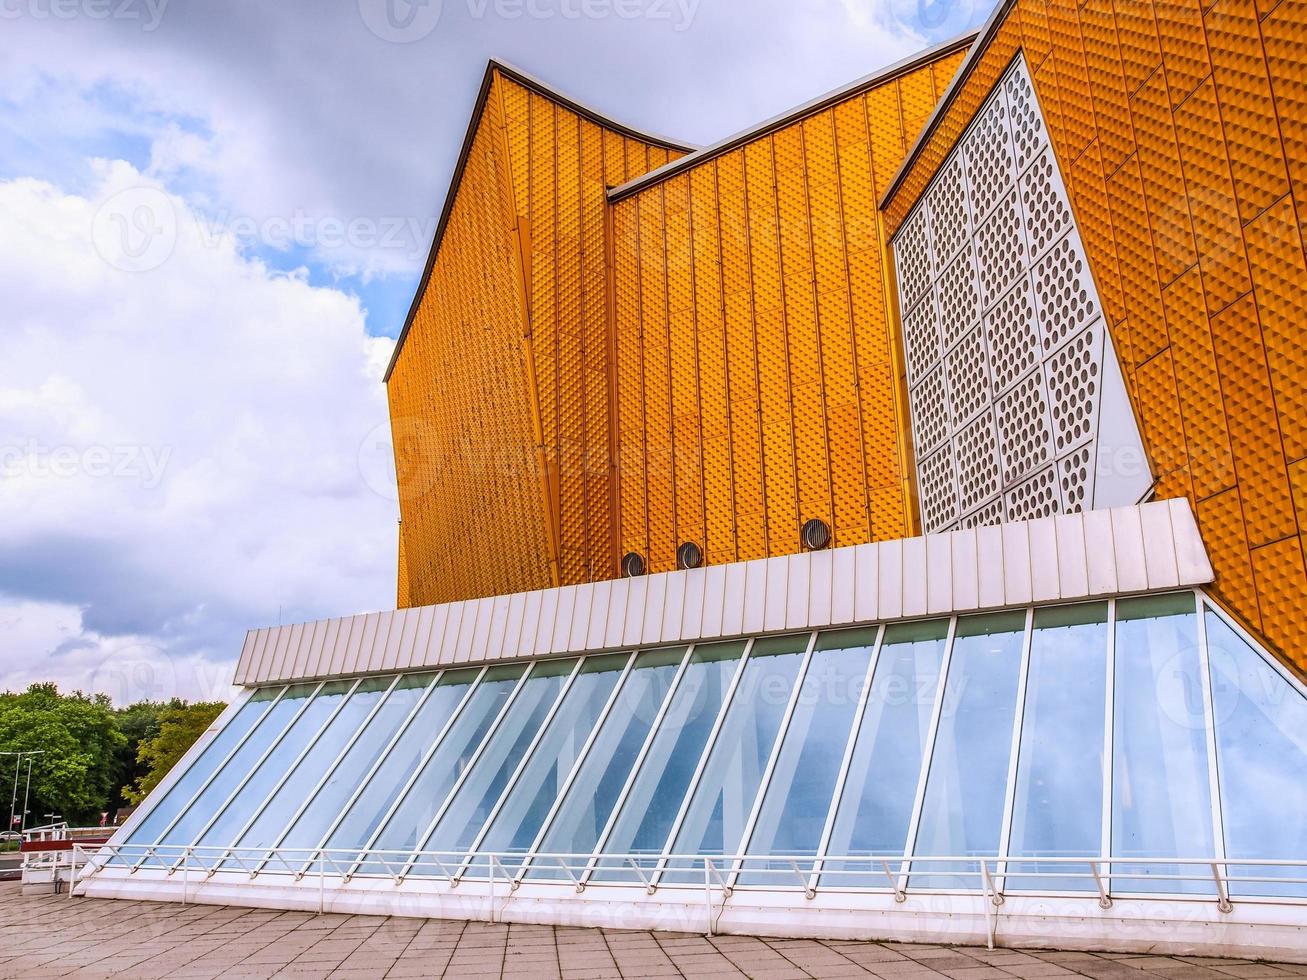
{"x":990,"y":878}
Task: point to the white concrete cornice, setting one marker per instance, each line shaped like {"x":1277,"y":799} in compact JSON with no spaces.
{"x":1129,"y":550}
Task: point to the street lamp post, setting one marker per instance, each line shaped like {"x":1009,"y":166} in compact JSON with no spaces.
{"x":18,"y":766}
{"x":27,"y":795}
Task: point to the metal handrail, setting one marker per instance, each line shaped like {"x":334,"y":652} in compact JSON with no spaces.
{"x":1102,"y":876}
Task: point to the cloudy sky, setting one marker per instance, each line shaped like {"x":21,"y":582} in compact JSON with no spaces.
{"x":212,"y":217}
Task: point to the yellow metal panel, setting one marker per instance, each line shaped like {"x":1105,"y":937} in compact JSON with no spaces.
{"x":1091,"y":203}
{"x":1247,"y":105}
{"x":1137,"y":263}
{"x":1209,"y":187}
{"x":1036,"y":42}
{"x":1184,"y":46}
{"x":1220,"y":519}
{"x":1141,"y":50}
{"x":1114,"y":132}
{"x":1254,"y":432}
{"x":1168,"y":200}
{"x":1284,"y":34}
{"x":1077,"y":115}
{"x":1211,"y":463}
{"x":1275,"y":250}
{"x":1279,"y":573}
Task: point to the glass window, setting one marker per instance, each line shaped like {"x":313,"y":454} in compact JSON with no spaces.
{"x":532,"y":795}
{"x":472,"y":801}
{"x":354,"y":766}
{"x":300,"y":784}
{"x":651,"y":806}
{"x":962,"y":812}
{"x":165,"y":809}
{"x":579,"y":822}
{"x":798,"y":798}
{"x":875,"y":806}
{"x":716,"y":819}
{"x":1161,"y":804}
{"x":238,"y":766}
{"x":423,"y":798}
{"x":1261,"y":753}
{"x":266,"y":776}
{"x":1058,"y":806}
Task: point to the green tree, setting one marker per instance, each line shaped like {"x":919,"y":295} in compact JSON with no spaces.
{"x":180,"y":724}
{"x":139,"y":722}
{"x":79,"y":737}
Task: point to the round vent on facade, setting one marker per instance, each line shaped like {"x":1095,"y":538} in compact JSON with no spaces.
{"x":815,"y":534}
{"x":689,"y":555}
{"x":633,"y":565}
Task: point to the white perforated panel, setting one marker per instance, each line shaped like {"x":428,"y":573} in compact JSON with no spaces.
{"x":968,"y":377}
{"x":1003,"y":327}
{"x":958,"y":300}
{"x":939,"y":489}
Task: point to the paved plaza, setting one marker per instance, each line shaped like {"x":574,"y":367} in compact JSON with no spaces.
{"x":52,"y":936}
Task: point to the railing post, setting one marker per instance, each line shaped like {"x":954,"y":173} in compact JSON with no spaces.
{"x":322,"y":881}
{"x":707,"y":892}
{"x":491,"y":859}
{"x":1222,"y":896}
{"x":990,"y":903}
{"x":186,"y":873}
{"x":1104,"y":899}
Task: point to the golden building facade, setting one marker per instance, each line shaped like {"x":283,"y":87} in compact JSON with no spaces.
{"x":621,"y":345}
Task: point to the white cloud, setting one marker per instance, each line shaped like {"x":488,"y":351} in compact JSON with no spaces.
{"x":127,"y":668}
{"x":180,"y":445}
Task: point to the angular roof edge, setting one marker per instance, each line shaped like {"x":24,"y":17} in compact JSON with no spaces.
{"x":811,"y":107}
{"x":1153,"y":547}
{"x":539,"y":87}
{"x":983,"y":37}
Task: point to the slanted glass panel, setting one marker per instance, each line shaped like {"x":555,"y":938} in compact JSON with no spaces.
{"x":364,"y":751}
{"x":962,"y":812}
{"x":528,"y":801}
{"x":589,"y":803}
{"x":423,"y":799}
{"x":1161,"y":803}
{"x":470,"y":806}
{"x":165,"y":809}
{"x":718,"y":815}
{"x":875,"y":808}
{"x":650,"y":809}
{"x":265,"y":777}
{"x":1058,"y":805}
{"x":1261,"y":753}
{"x":300,"y":784}
{"x":798,"y":797}
{"x":238,"y":766}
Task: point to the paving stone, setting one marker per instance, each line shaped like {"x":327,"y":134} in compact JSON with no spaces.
{"x":145,"y":941}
